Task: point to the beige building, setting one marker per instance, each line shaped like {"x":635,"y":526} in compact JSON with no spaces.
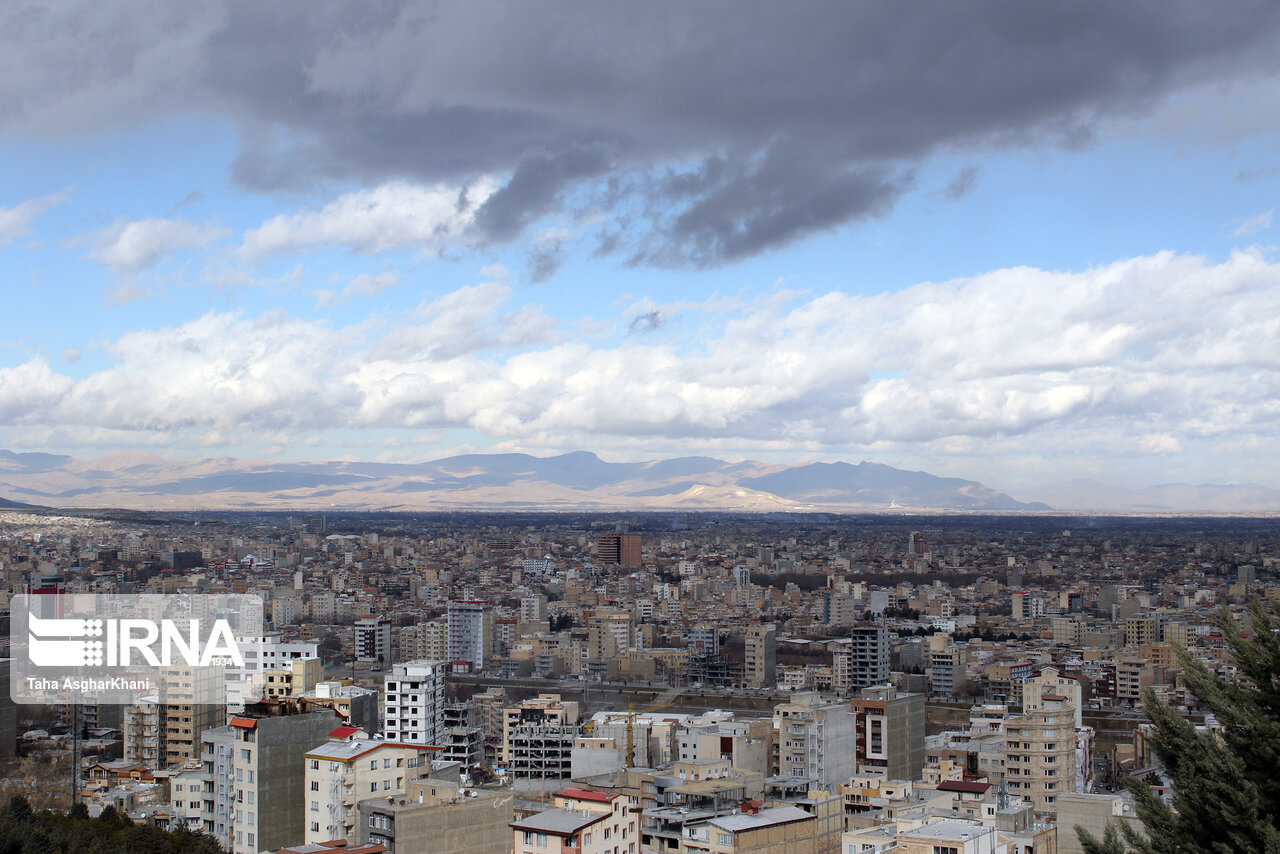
{"x":581,"y":824}
{"x":1040,"y":745}
{"x":163,"y":730}
{"x":538,"y":737}
{"x":352,"y":767}
{"x":761,"y":655}
{"x":757,"y":831}
{"x":292,"y":678}
{"x":438,"y":816}
{"x":951,"y":836}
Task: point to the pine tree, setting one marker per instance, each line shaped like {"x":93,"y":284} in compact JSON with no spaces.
{"x":1226,"y":784}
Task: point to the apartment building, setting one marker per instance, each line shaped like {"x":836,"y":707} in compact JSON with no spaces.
{"x":1040,"y":751}
{"x":267,"y":787}
{"x":761,"y":655}
{"x":440,"y":816}
{"x":868,"y":662}
{"x":814,"y":739}
{"x":582,"y":822}
{"x":414,"y":702}
{"x":351,"y":767}
{"x":470,"y":634}
{"x":889,"y":730}
{"x":163,"y":730}
{"x":373,"y":640}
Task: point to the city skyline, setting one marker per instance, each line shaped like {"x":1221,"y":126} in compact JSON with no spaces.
{"x":1012,"y":246}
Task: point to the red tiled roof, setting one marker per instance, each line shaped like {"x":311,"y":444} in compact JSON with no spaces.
{"x":963,"y":786}
{"x":585,"y":795}
{"x":244,"y":723}
{"x":343,"y":732}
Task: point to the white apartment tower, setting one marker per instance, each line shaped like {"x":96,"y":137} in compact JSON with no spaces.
{"x":869,"y":656}
{"x":415,"y":702}
{"x":470,"y":633}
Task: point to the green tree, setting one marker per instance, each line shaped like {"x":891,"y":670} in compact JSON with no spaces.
{"x":1226,"y":785}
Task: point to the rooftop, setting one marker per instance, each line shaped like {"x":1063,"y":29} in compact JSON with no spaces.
{"x":764,"y":818}
{"x":560,"y":822}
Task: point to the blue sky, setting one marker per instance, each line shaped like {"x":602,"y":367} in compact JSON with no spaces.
{"x":1014,"y":265}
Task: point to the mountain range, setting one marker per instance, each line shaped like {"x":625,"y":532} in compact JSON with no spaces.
{"x":138,"y":480}
{"x":484,"y":481}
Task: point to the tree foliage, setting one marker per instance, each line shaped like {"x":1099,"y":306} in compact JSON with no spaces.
{"x":23,"y":831}
{"x":1226,"y":784}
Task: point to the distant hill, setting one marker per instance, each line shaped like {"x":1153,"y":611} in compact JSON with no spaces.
{"x":877,"y":484}
{"x":1092,"y":496}
{"x":488,"y":481}
{"x":6,"y":504}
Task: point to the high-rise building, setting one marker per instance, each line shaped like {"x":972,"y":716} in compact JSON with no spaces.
{"x":470,"y":634}
{"x":947,"y":670}
{"x":1026,"y":606}
{"x":868,"y":656}
{"x":373,"y":640}
{"x":415,"y":702}
{"x":620,"y":549}
{"x":1041,"y":743}
{"x":163,"y":730}
{"x":813,"y":740}
{"x":890,"y":732}
{"x":266,"y":781}
{"x":533,"y":609}
{"x":761,"y":655}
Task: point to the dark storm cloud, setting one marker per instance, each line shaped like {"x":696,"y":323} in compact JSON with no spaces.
{"x":726,"y":128}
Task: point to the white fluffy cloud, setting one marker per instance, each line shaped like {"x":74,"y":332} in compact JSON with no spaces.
{"x":391,"y":216}
{"x":130,"y":246}
{"x":1152,"y":355}
{"x":15,"y":222}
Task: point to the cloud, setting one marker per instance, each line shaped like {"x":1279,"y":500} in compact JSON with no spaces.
{"x":15,"y":222}
{"x":125,"y":293}
{"x":962,"y":185}
{"x":1255,"y":224}
{"x":390,"y":216}
{"x":1165,"y":355}
{"x":130,"y":246}
{"x":650,"y":321}
{"x":360,"y":285}
{"x":371,"y":284}
{"x":709,"y":132}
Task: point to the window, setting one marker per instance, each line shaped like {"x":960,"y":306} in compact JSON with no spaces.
{"x":373,"y":765}
{"x":315,"y":806}
{"x":542,"y":840}
{"x":724,"y":839}
{"x":315,"y":827}
{"x":386,"y":785}
{"x":315,"y":764}
{"x":386,"y":763}
{"x":528,"y":837}
{"x":315,"y":785}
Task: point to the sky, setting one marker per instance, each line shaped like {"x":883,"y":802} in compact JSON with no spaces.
{"x":1018,"y":243}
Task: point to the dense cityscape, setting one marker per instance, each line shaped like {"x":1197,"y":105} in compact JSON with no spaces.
{"x":643,"y":682}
